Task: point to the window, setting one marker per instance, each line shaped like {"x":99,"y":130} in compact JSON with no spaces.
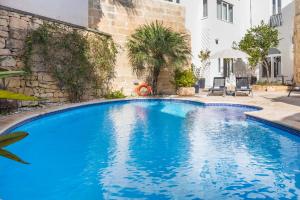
{"x":276,"y":7}
{"x":230,"y":13}
{"x":219,"y":65}
{"x":224,"y":11}
{"x":205,"y":8}
{"x":227,"y":66}
{"x":219,"y":10}
{"x":277,"y":66}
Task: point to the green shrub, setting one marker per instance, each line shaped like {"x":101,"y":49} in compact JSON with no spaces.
{"x":118,"y":94}
{"x":184,"y":78}
{"x":76,"y":60}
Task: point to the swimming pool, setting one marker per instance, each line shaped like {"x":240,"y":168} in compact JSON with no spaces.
{"x":152,"y":149}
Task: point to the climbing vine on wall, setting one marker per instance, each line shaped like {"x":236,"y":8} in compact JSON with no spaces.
{"x":80,"y":61}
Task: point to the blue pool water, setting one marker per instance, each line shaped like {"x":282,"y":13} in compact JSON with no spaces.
{"x":152,"y":150}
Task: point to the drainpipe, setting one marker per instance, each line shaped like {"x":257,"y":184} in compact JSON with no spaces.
{"x":251,"y":13}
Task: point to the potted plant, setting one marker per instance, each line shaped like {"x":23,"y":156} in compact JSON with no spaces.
{"x":204,"y":57}
{"x":184,"y":82}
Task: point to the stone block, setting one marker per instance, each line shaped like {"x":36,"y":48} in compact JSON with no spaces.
{"x":4,"y":28}
{"x":47,"y":77}
{"x":8,"y":62}
{"x":18,"y":23}
{"x":15,"y":44}
{"x":19,"y":34}
{"x":13,"y":14}
{"x":32,"y":83}
{"x":26,"y":91}
{"x":14,"y":83}
{"x":19,"y":64}
{"x":4,"y":22}
{"x":29,"y":103}
{"x":2,"y":43}
{"x":46,"y":95}
{"x":4,"y":34}
{"x":3,"y":13}
{"x":186,"y":91}
{"x":5,"y":52}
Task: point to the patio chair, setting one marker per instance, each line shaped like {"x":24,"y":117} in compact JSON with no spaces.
{"x":243,"y":85}
{"x":218,"y":86}
{"x":294,"y":88}
{"x":290,"y":82}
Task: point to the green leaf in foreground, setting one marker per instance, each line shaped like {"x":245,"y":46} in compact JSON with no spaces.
{"x":7,"y":154}
{"x":9,"y":139}
{"x":7,"y":74}
{"x":16,"y":96}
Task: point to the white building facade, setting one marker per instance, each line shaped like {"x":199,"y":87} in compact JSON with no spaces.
{"x":215,"y":24}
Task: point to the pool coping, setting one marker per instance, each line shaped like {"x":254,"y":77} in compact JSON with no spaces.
{"x":64,"y":108}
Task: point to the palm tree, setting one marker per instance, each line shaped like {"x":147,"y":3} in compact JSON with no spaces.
{"x":153,"y":46}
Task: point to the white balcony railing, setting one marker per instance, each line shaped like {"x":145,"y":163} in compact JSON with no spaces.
{"x":276,"y":20}
{"x":174,"y":1}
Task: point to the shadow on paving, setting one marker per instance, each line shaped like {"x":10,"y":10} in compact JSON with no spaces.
{"x":292,"y":100}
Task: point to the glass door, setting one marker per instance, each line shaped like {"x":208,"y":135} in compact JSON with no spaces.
{"x":277,"y":66}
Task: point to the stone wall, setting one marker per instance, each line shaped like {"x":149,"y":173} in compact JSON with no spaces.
{"x":121,"y":19}
{"x":14,"y":27}
{"x":297,"y":42}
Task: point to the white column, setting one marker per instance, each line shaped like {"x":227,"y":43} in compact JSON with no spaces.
{"x":272,"y":68}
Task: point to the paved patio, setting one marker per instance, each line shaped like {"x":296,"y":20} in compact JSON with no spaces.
{"x":277,"y":107}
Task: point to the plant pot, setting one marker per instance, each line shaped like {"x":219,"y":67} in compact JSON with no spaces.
{"x":186,"y":91}
{"x":201,"y":83}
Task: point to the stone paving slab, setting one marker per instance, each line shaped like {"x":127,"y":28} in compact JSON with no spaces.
{"x":276,"y":107}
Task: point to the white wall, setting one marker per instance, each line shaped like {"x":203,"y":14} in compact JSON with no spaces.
{"x":204,"y":31}
{"x":71,"y":11}
{"x":286,"y":32}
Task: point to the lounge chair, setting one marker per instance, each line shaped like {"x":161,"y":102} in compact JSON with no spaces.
{"x":218,"y":86}
{"x":294,"y":88}
{"x":243,"y":85}
{"x":289,"y":82}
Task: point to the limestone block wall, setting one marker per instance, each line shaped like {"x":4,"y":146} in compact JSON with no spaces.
{"x":297,"y":42}
{"x":121,"y":18}
{"x":14,"y":26}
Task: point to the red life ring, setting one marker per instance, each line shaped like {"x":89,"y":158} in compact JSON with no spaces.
{"x":140,"y":92}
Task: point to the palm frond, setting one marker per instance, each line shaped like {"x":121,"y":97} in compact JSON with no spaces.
{"x":9,"y":155}
{"x":11,"y":138}
{"x":16,"y":96}
{"x":7,"y":74}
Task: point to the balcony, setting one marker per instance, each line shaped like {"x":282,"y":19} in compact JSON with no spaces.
{"x":174,"y":1}
{"x":276,"y":20}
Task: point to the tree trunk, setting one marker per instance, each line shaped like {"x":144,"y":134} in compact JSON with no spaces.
{"x":267,"y":66}
{"x":156,"y":72}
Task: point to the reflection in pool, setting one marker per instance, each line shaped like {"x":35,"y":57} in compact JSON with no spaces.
{"x":152,"y":150}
